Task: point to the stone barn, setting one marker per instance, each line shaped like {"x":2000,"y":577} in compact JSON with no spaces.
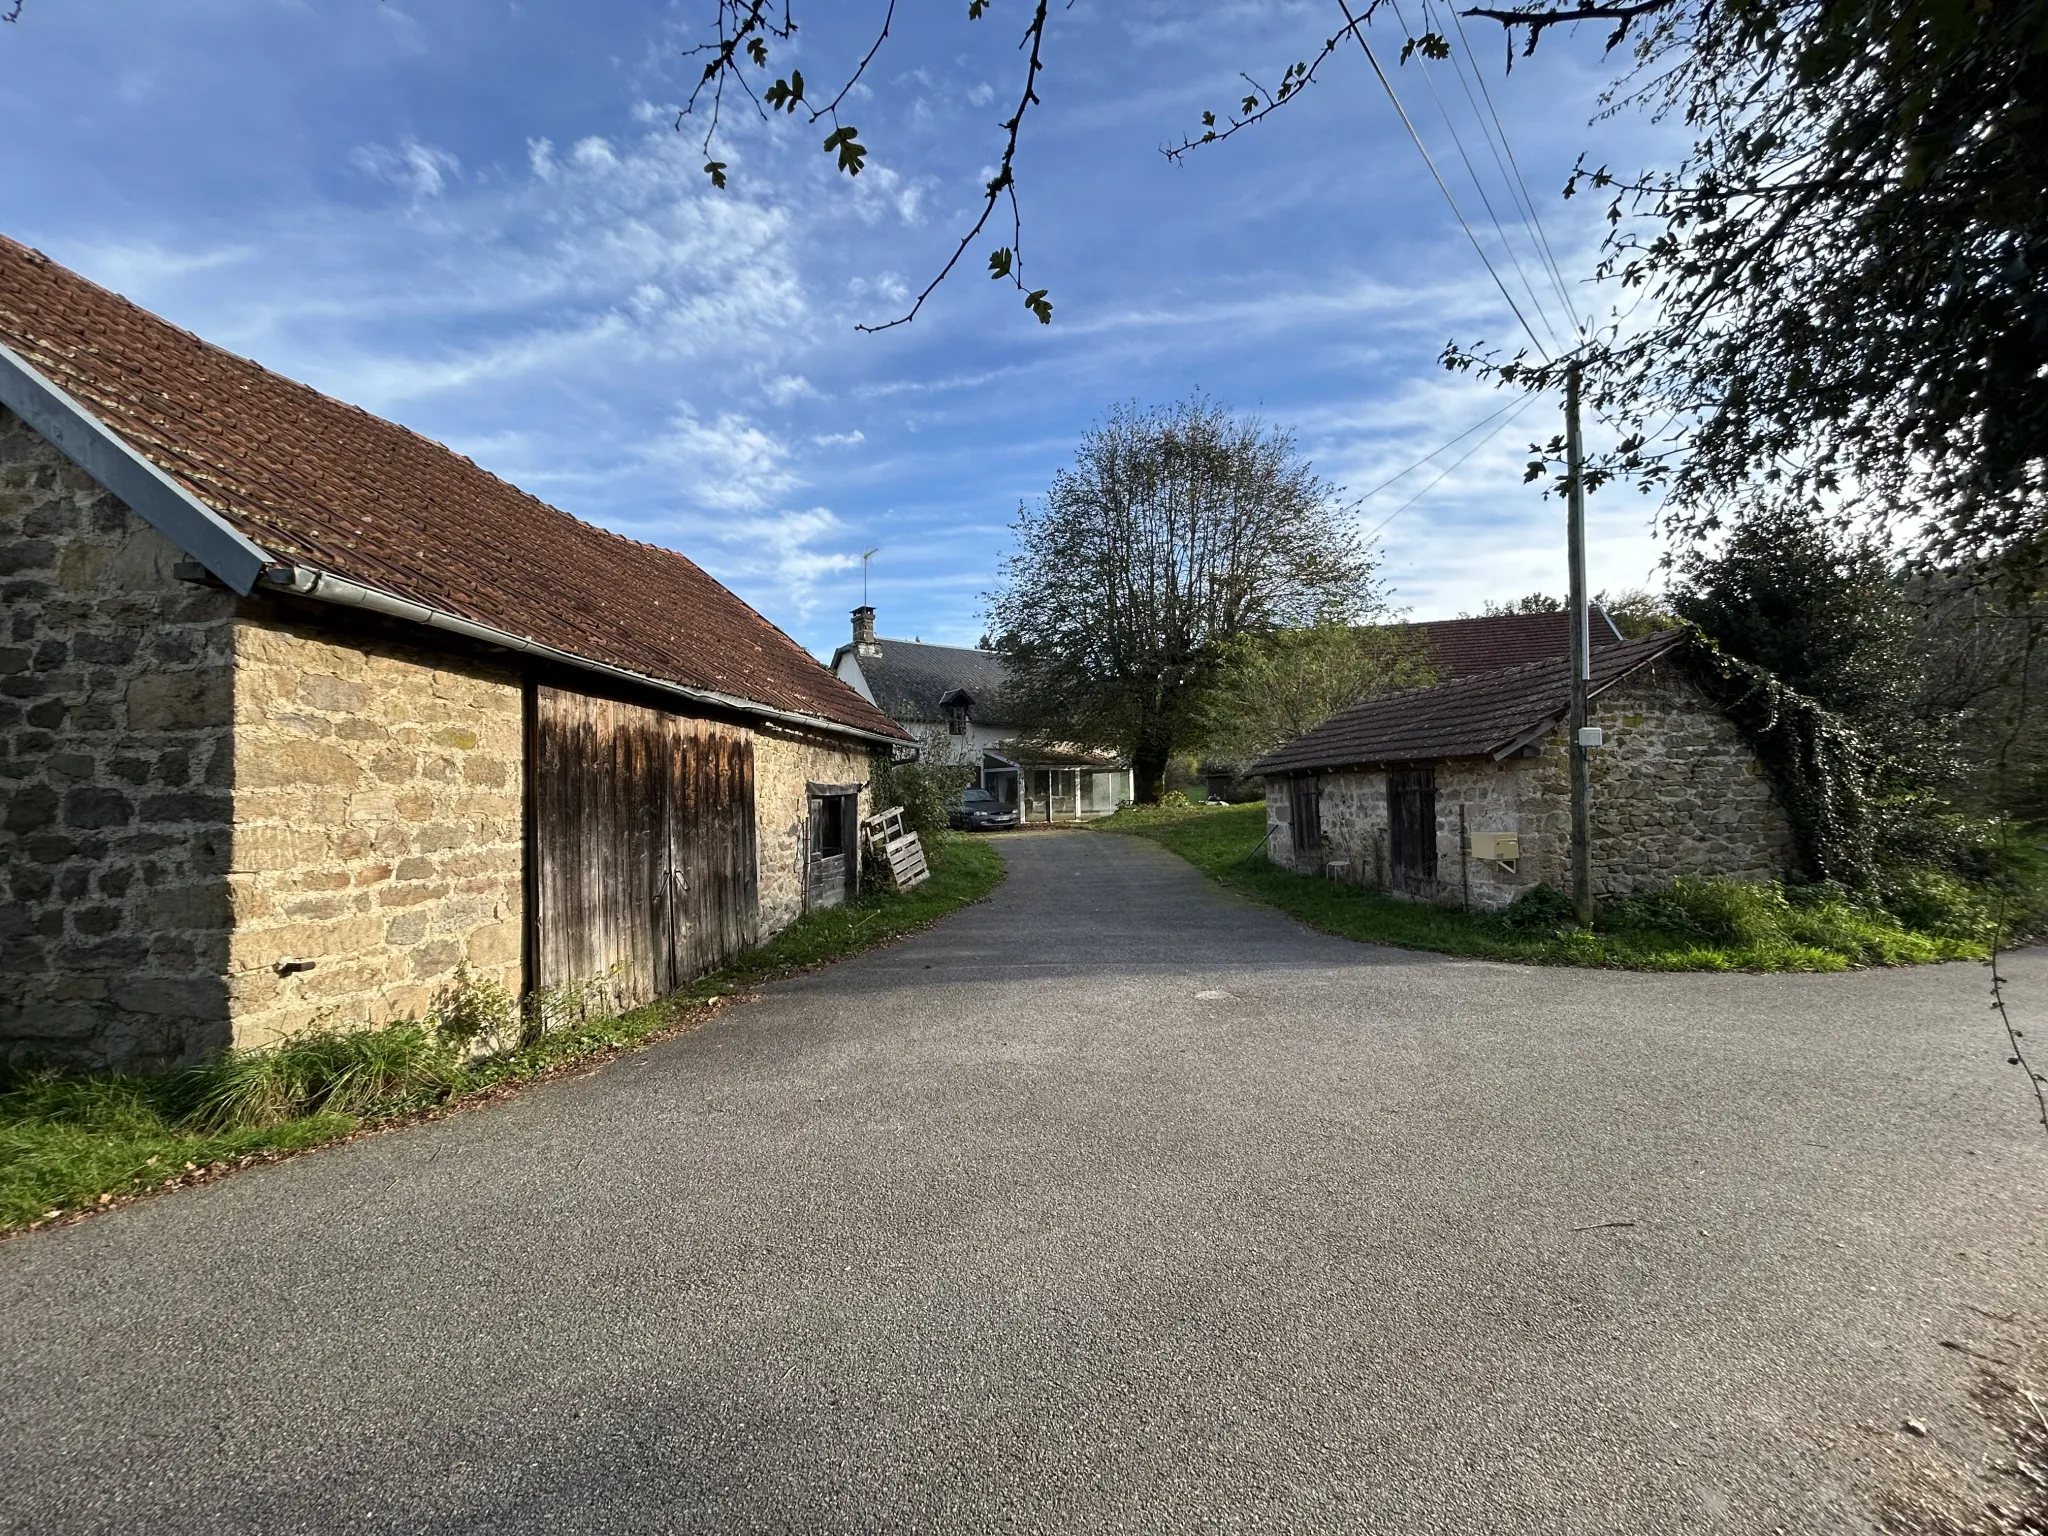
{"x":301,"y":712}
{"x":1460,"y":793}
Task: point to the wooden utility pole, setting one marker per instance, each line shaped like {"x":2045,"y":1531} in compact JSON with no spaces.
{"x":1581,"y":653}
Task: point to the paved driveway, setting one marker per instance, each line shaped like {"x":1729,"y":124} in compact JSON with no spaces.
{"x":1112,"y":1204}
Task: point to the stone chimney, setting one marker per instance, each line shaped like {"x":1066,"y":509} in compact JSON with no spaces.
{"x":864,"y":641}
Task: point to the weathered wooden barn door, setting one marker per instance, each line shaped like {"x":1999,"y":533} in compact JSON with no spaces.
{"x":711,"y":848}
{"x":642,"y":824}
{"x":1411,"y":829}
{"x":1305,"y":823}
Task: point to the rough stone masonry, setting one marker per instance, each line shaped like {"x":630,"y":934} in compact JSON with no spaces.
{"x":224,"y":822}
{"x":1675,"y":793}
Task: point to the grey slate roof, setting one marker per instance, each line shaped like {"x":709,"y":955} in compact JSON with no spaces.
{"x":910,"y":679}
{"x":1475,"y":716}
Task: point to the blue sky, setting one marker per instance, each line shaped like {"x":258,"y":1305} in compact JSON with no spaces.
{"x":477,"y":219}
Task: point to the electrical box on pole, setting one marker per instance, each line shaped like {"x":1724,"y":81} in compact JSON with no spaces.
{"x":1581,"y":653}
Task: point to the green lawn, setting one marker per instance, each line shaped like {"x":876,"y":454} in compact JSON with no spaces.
{"x":1709,"y":925}
{"x":69,"y":1143}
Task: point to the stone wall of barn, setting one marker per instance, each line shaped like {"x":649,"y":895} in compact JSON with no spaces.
{"x":786,"y":762}
{"x":1675,"y":793}
{"x":378,"y":821}
{"x":1353,"y":808}
{"x":116,"y":766}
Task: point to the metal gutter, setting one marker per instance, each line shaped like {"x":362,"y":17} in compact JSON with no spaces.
{"x":323,"y":586}
{"x":153,"y":495}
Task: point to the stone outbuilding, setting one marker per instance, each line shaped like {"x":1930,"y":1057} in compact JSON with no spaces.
{"x":1459,"y":793}
{"x":301,"y":712}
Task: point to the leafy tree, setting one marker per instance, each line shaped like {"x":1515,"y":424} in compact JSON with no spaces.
{"x":1848,"y":272}
{"x":1535,"y":602}
{"x":1176,"y":532}
{"x":1983,"y":664}
{"x":1273,"y":687}
{"x":1826,"y":614}
{"x":1635,"y":611}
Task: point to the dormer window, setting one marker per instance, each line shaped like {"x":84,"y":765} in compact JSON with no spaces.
{"x":956,"y":702}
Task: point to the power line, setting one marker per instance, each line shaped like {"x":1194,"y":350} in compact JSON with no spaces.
{"x":1423,"y":149}
{"x":1528,"y":200}
{"x":1445,"y":448}
{"x":1513,"y":411}
{"x":1478,"y":184}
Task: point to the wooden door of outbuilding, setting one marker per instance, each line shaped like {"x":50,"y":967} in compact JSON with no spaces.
{"x":832,"y":858}
{"x":643,"y":859}
{"x":1411,"y":830}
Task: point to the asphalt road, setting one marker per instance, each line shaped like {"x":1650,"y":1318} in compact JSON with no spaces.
{"x":1112,"y":1204}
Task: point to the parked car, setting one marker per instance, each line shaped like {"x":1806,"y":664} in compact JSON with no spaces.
{"x":976,"y":810}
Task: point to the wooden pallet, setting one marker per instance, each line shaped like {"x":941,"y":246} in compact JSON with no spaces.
{"x":901,"y":853}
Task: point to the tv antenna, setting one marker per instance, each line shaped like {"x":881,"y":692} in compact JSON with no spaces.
{"x":865,"y":556}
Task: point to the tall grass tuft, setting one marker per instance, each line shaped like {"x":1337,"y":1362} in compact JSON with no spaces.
{"x":346,"y":1072}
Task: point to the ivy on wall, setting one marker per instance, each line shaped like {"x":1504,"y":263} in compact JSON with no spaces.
{"x":1820,"y":765}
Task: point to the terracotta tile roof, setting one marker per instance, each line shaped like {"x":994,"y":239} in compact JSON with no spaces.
{"x":1462,"y":647}
{"x":1473,"y":716}
{"x":319,"y":483}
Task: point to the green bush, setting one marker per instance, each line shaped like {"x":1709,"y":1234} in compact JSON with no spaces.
{"x":1539,"y":908}
{"x":1723,"y":912}
{"x":475,"y":1013}
{"x":1173,"y":800}
{"x":924,"y":790}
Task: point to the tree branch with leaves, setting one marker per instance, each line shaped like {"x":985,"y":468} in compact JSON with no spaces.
{"x":746,"y":34}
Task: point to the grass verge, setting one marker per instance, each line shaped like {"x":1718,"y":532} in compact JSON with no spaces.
{"x":1705,"y":925}
{"x":72,"y":1144}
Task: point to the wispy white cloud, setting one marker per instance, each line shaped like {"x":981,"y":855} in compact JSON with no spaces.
{"x":789,"y":551}
{"x":419,"y":170}
{"x":727,"y":463}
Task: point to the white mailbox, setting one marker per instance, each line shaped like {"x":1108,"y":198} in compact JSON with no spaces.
{"x":1504,"y":846}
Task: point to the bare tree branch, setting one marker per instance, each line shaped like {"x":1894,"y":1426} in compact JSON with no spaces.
{"x":744,"y":30}
{"x":1537,"y":18}
{"x":1006,"y":262}
{"x":831,"y":108}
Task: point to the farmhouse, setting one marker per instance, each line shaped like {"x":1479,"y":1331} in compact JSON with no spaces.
{"x":951,"y":699}
{"x":302,"y":712}
{"x":1459,"y":793}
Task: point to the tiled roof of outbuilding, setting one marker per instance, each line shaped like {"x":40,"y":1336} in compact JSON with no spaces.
{"x":318,"y":483}
{"x":1473,"y":716}
{"x":1462,"y":647}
